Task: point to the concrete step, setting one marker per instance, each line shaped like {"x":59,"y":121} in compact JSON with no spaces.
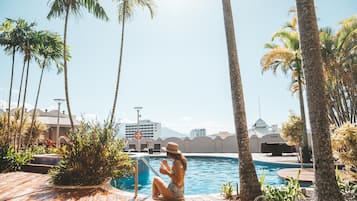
{"x":37,"y":168}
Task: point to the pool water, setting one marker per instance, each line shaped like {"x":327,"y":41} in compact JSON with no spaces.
{"x":204,"y":175}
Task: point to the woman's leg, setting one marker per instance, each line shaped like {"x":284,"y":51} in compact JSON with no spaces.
{"x":160,"y":187}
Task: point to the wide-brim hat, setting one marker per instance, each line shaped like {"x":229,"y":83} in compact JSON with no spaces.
{"x":172,"y":148}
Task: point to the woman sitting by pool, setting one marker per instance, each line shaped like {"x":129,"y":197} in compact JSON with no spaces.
{"x":175,"y":190}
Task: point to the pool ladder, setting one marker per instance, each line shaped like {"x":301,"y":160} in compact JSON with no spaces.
{"x":137,"y":173}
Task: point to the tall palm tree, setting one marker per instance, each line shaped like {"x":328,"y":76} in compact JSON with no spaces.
{"x":325,"y":180}
{"x":249,"y":185}
{"x":67,"y":7}
{"x":48,"y":51}
{"x":9,"y":42}
{"x":287,"y":57}
{"x":125,"y":11}
{"x":13,"y":33}
{"x":25,"y":28}
{"x":29,"y":48}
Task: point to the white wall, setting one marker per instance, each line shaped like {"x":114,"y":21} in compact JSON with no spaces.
{"x":206,"y":144}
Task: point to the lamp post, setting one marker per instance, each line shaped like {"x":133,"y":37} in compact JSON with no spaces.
{"x":58,"y":101}
{"x":137,"y":159}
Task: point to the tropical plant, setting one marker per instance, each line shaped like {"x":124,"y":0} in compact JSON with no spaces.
{"x":34,"y":132}
{"x":67,"y":7}
{"x":326,"y":185}
{"x":339,"y":54}
{"x":347,"y":188}
{"x":227,"y":190}
{"x":290,"y":191}
{"x":291,"y":131}
{"x":125,"y":11}
{"x":10,"y":160}
{"x":28,"y":47}
{"x":285,"y":54}
{"x":49,"y":50}
{"x":25,"y":30}
{"x":344,"y":145}
{"x":16,"y":125}
{"x":12,"y":34}
{"x":249,"y":184}
{"x":95,"y":147}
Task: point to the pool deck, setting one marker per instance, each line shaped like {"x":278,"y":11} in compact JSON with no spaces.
{"x":21,"y":186}
{"x":24,"y":186}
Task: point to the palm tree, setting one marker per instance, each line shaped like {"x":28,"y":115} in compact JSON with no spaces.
{"x":326,"y":185}
{"x":249,"y":185}
{"x":287,"y":57}
{"x":125,"y":11}
{"x":29,"y":48}
{"x":339,"y":51}
{"x":6,"y":39}
{"x":67,"y":7}
{"x":13,"y":33}
{"x":24,"y":29}
{"x":49,"y":49}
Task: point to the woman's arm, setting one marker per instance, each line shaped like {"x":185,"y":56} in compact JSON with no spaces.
{"x":166,"y":165}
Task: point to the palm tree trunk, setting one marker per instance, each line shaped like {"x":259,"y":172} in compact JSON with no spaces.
{"x":35,"y":108}
{"x":23,"y":104}
{"x":119,"y":67}
{"x":249,"y":185}
{"x":305,"y":146}
{"x":65,"y":67}
{"x":22,"y":78}
{"x":10,"y":93}
{"x":326,"y":185}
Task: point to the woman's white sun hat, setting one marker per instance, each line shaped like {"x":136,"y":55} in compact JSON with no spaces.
{"x":172,"y":148}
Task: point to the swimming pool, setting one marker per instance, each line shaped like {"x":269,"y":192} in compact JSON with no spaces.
{"x":204,"y":175}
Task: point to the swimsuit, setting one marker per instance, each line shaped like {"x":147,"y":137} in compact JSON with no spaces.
{"x":178,"y":191}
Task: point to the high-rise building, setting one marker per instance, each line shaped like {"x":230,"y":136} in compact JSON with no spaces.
{"x":198,"y":132}
{"x":149,"y":129}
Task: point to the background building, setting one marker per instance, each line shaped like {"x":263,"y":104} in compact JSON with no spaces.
{"x":198,"y":132}
{"x":150,"y":129}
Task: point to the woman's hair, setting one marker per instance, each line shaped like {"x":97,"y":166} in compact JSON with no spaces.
{"x":179,"y":157}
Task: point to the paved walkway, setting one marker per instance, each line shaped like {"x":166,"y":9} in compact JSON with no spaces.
{"x":23,"y":186}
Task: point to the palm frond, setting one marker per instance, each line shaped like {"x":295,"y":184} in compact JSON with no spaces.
{"x":57,"y":8}
{"x":278,"y":57}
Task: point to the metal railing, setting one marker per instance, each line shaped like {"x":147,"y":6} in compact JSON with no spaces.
{"x":137,"y":173}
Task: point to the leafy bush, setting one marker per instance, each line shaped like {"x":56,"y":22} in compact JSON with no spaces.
{"x":348,"y":189}
{"x":93,"y":155}
{"x":227,"y":190}
{"x":10,"y":160}
{"x":344,"y":145}
{"x":38,"y":149}
{"x":291,"y":131}
{"x":289,"y":192}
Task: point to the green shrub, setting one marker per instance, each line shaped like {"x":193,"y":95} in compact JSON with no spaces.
{"x":289,"y":192}
{"x":10,"y":160}
{"x":92,"y":156}
{"x":348,"y":189}
{"x":227,"y":190}
{"x":38,"y":149}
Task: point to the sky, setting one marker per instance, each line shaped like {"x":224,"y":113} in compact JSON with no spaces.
{"x":175,"y":65}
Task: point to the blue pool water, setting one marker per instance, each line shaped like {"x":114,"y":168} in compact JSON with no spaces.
{"x":204,"y":175}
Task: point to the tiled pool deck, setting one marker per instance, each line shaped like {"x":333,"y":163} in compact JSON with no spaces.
{"x":21,"y":186}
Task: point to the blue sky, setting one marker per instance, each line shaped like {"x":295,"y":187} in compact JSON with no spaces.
{"x":175,"y":65}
